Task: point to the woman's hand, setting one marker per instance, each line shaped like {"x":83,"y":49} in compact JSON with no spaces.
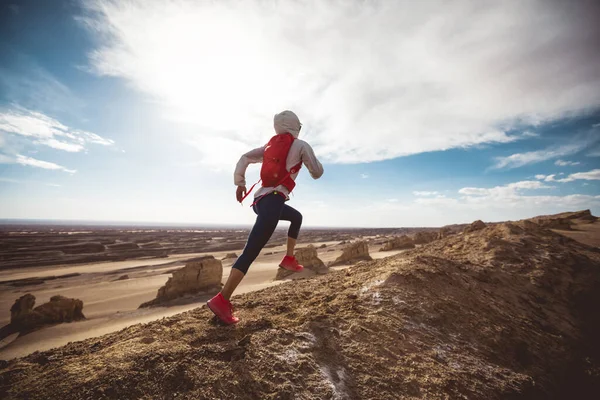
{"x":240,"y":193}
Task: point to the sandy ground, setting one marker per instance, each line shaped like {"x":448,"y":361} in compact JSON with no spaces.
{"x":111,"y":304}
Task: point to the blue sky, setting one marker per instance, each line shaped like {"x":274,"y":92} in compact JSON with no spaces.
{"x":423,"y":114}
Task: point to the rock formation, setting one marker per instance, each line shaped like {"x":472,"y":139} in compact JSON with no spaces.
{"x":444,"y":232}
{"x":564,"y":221}
{"x":425,"y":237}
{"x":563,"y":224}
{"x":584,"y":216}
{"x":201,"y":275}
{"x":398,"y":243}
{"x":24,"y":318}
{"x":307,"y":256}
{"x":282,"y":273}
{"x":309,"y":259}
{"x":475,"y":226}
{"x":358,"y":251}
{"x":23,"y":305}
{"x":230,"y":256}
{"x":60,"y":309}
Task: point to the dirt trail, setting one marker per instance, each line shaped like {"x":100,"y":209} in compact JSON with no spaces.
{"x":509,"y":311}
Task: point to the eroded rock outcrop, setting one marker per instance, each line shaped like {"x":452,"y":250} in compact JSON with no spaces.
{"x":23,"y":305}
{"x":577,"y":217}
{"x":475,"y":226}
{"x":444,"y":233}
{"x":59,"y":309}
{"x":358,"y":251}
{"x":24,"y":318}
{"x":563,"y":224}
{"x":309,"y":259}
{"x":398,"y":243}
{"x":425,"y":237}
{"x":202,"y":275}
{"x":230,"y":256}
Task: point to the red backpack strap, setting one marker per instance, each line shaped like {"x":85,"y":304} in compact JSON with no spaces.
{"x":293,"y":170}
{"x":249,"y":191}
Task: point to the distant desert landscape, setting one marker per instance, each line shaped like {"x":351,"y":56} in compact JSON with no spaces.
{"x":114,"y":271}
{"x":481,"y":310}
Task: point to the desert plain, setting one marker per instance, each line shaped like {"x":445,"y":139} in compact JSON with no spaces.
{"x":481,"y":310}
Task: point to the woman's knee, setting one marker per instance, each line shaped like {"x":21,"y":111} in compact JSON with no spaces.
{"x":295,"y":224}
{"x":298,"y":219}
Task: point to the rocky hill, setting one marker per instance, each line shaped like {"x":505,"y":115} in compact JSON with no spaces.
{"x":505,"y":312}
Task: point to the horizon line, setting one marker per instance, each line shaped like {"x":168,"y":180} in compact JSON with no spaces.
{"x":148,"y":224}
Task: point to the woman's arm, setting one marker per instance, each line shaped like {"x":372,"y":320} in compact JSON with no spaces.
{"x":309,"y":159}
{"x":251,"y":157}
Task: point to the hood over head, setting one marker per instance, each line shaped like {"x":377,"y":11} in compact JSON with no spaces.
{"x":287,"y":122}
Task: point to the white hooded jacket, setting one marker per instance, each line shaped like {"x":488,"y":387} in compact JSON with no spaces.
{"x":300,"y":151}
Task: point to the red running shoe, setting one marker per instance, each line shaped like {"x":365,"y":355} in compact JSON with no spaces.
{"x":222,"y":308}
{"x":291,"y":264}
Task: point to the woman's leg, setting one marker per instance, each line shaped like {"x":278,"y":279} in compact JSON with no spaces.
{"x":268,"y":209}
{"x":291,"y":214}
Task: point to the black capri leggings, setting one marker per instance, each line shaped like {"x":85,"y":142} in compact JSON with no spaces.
{"x":269,"y":210}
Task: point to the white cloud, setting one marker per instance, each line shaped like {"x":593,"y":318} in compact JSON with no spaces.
{"x":532,"y":157}
{"x":33,"y":162}
{"x":370,"y":80}
{"x":47,"y":131}
{"x":425,"y":193}
{"x":593,"y":175}
{"x":562,"y":163}
{"x":528,"y":185}
{"x":590,"y":175}
{"x":495,"y":205}
{"x":57,"y":144}
{"x":510,"y":190}
{"x":364,"y":176}
{"x":529,"y":134}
